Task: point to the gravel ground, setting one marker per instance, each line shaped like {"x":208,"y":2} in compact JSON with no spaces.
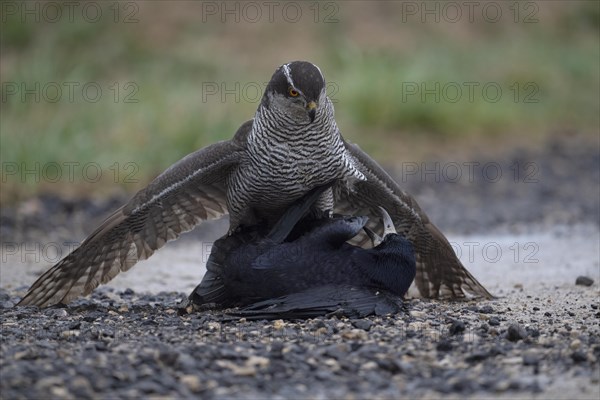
{"x":539,"y":339}
{"x":123,"y":344}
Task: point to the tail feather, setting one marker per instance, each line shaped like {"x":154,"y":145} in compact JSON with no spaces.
{"x":339,"y":300}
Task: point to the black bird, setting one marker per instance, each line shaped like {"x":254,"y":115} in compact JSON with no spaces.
{"x":291,"y":146}
{"x":248,"y":267}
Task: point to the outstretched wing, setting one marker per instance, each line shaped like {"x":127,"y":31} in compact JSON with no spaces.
{"x":189,"y":192}
{"x":439,"y":272}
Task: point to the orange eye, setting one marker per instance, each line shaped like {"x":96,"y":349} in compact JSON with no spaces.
{"x":293,"y":92}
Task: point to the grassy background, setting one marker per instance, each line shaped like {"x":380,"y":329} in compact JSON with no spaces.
{"x":168,"y":54}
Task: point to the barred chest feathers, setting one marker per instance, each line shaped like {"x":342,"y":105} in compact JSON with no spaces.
{"x":279,"y":172}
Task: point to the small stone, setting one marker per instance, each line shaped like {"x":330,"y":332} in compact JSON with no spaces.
{"x":192,"y":382}
{"x":533,"y":332}
{"x":258,"y":361}
{"x":278,"y":324}
{"x":502,"y":385}
{"x":512,"y":360}
{"x":59,"y":392}
{"x":69,"y":334}
{"x":277,"y":349}
{"x":82,"y":387}
{"x":494,"y":321}
{"x":390,"y":365}
{"x":320,"y":324}
{"x":369,"y":365}
{"x":168,"y":358}
{"x":575,"y":344}
{"x":456,"y":327}
{"x":334,"y":365}
{"x":418,"y":314}
{"x":363,"y":324}
{"x":486,"y":309}
{"x":515,"y":333}
{"x":531,"y":359}
{"x":337,"y":352}
{"x":410,"y":333}
{"x":444,"y":345}
{"x":324,"y":375}
{"x":578,"y":356}
{"x":250,"y":367}
{"x":354,"y":334}
{"x":477,"y":356}
{"x":584,"y":281}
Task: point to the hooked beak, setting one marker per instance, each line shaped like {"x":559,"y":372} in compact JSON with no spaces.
{"x":388,"y":228}
{"x":312,"y":110}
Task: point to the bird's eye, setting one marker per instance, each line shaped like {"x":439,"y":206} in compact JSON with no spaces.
{"x":293,"y":92}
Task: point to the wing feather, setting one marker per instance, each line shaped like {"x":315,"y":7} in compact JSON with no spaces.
{"x":189,"y":192}
{"x":440,"y":274}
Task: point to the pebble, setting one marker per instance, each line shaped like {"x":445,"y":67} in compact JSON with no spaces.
{"x":456,"y":327}
{"x":417,"y":314}
{"x":531,"y":359}
{"x":487,"y":309}
{"x":584,"y":281}
{"x":363,"y":324}
{"x":192,"y":382}
{"x":578,"y":356}
{"x":515,"y":332}
{"x":444,"y":345}
{"x":354,"y":334}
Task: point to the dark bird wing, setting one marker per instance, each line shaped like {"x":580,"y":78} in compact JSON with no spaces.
{"x":189,"y":192}
{"x":439,"y":272}
{"x":339,"y":300}
{"x":211,"y":291}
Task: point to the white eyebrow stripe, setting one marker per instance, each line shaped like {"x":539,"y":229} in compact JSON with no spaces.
{"x":319,"y":69}
{"x":288,"y":74}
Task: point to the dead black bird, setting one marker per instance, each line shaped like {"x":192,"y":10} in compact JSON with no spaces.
{"x":310,"y":263}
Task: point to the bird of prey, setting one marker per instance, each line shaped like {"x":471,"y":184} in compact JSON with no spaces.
{"x":294,"y":257}
{"x":291,"y":146}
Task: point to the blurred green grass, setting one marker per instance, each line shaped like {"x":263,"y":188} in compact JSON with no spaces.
{"x":370,"y":57}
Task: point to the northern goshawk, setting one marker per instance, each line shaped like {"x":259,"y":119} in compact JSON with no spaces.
{"x":291,"y":146}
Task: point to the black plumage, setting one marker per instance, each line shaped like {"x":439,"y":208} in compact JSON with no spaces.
{"x":252,"y":266}
{"x":328,"y":300}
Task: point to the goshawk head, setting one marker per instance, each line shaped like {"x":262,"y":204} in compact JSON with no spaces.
{"x":296,"y":90}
